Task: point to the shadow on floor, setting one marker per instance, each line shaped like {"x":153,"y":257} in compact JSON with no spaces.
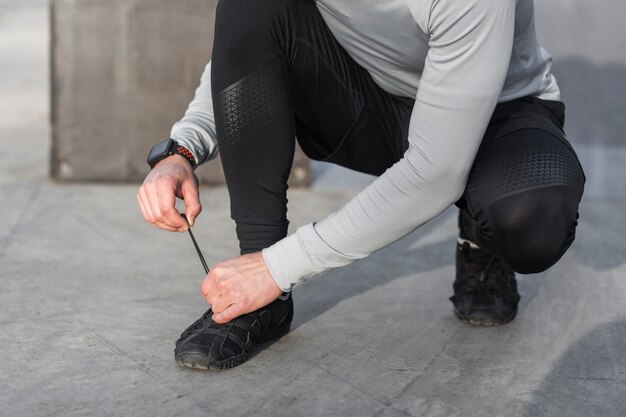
{"x":589,"y":379}
{"x":404,"y":257}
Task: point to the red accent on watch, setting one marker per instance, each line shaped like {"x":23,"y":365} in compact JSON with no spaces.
{"x":181,"y":150}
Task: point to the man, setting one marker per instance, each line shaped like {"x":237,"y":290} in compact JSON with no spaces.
{"x":446,"y":101}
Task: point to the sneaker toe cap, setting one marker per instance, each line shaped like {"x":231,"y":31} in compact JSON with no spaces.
{"x":210,"y":352}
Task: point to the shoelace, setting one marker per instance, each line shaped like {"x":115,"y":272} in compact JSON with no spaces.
{"x":195,"y":244}
{"x":485,"y":273}
{"x":496,"y":270}
{"x":492,"y":278}
{"x":200,"y":323}
{"x":196,"y":324}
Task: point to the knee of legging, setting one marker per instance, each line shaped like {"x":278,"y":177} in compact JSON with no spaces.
{"x":532,"y":230}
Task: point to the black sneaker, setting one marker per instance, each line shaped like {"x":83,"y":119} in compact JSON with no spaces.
{"x":485,"y":290}
{"x":208,"y":345}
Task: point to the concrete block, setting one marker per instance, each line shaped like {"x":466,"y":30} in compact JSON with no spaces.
{"x":123,"y":71}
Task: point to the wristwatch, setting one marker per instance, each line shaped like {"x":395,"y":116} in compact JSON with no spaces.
{"x":167,"y":148}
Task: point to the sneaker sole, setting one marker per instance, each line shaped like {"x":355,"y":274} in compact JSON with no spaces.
{"x":484,"y":318}
{"x":198,"y":361}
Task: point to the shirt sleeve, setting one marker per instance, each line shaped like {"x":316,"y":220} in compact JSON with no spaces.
{"x":196,"y":130}
{"x":469,"y":51}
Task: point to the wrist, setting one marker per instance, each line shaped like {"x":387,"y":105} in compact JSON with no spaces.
{"x":175,"y":159}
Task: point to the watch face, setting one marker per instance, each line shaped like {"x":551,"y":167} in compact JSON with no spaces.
{"x":160,"y":151}
{"x":160,"y":148}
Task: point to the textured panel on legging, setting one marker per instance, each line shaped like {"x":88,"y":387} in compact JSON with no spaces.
{"x":530,"y":165}
{"x":250,"y":103}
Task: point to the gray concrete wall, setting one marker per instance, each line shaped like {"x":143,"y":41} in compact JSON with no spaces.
{"x":123,"y":71}
{"x":587,"y":41}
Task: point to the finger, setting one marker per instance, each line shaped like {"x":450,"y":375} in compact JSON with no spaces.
{"x":148,"y":213}
{"x":153,"y":204}
{"x":167,"y":208}
{"x":193,"y":207}
{"x":207,"y":284}
{"x":141,"y":207}
{"x":213,"y":294}
{"x":221,"y":304}
{"x":146,"y":205}
{"x":157,"y":198}
{"x":229,"y":314}
{"x":212,"y":297}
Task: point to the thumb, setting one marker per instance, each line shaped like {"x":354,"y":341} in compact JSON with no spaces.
{"x":191,"y":198}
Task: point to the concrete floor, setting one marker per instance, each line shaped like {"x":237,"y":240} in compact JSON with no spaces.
{"x":93,"y":298}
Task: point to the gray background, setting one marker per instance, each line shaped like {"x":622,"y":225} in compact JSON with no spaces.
{"x":92,"y":299}
{"x":122,"y":72}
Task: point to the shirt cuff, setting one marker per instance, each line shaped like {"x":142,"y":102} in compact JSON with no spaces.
{"x":300,"y":256}
{"x":191,"y":146}
{"x":202,"y":149}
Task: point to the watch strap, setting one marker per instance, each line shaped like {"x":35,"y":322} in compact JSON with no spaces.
{"x":181,"y":150}
{"x":167,"y":148}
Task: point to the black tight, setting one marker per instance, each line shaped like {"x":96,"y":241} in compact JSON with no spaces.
{"x":521,"y":199}
{"x":278,"y":73}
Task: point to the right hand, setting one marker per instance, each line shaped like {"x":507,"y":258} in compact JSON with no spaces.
{"x":170,"y":178}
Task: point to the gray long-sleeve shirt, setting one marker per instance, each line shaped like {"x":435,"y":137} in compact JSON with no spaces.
{"x":457,"y":59}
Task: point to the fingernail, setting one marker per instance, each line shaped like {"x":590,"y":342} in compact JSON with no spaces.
{"x":191,"y":219}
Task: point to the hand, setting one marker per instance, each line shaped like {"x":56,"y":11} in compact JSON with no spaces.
{"x":238,"y":286}
{"x":170,"y":178}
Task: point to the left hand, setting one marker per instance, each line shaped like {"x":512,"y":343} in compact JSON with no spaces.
{"x":238,"y":286}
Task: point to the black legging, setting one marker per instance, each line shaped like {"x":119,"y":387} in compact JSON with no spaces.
{"x":278,"y":73}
